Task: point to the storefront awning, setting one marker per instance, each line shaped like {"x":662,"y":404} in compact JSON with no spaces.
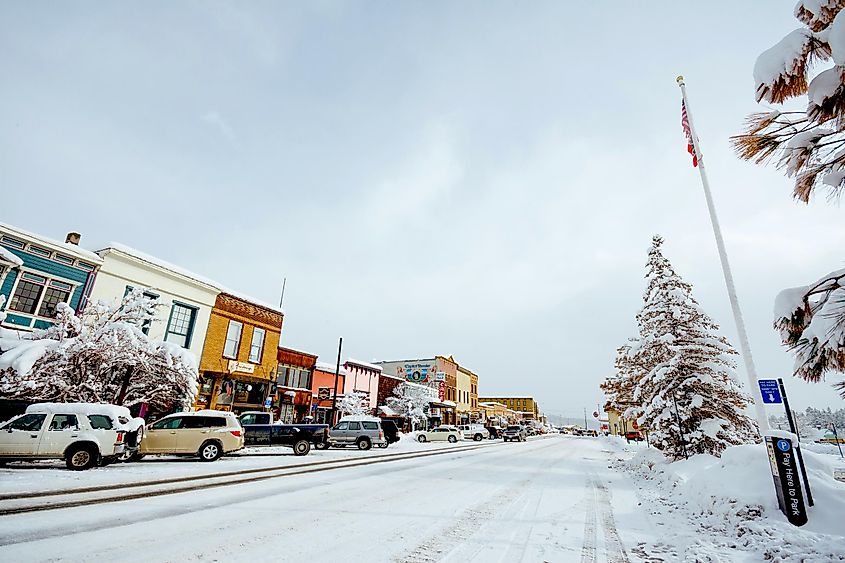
{"x":443,"y":404}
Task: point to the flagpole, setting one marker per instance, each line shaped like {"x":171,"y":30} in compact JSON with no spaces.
{"x":744,"y":346}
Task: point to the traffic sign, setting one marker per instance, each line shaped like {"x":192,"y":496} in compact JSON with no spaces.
{"x":268,"y":402}
{"x":770,"y":391}
{"x":595,"y":414}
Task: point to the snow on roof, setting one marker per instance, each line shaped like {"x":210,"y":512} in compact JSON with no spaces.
{"x":363,"y":364}
{"x":128,"y":250}
{"x":330,"y":368}
{"x":144,"y":257}
{"x":7,"y":256}
{"x":65,"y":247}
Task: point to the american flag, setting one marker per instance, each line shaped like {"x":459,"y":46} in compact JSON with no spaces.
{"x":688,"y":133}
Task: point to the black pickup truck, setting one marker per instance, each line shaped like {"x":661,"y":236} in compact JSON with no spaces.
{"x":259,"y":430}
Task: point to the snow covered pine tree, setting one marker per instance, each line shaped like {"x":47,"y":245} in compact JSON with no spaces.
{"x":810,"y":146}
{"x":619,"y":389}
{"x":101,"y":357}
{"x":685,"y":362}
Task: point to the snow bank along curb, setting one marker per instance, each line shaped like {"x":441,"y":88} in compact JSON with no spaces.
{"x":730,"y":507}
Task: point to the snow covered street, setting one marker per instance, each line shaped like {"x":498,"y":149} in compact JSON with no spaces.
{"x":550,"y":499}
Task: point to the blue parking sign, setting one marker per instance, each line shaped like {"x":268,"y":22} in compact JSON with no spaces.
{"x":770,"y":391}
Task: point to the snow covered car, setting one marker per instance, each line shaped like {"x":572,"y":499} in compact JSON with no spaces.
{"x":441,"y":434}
{"x":83,"y":434}
{"x":207,"y":434}
{"x":515,"y":433}
{"x":475,"y":432}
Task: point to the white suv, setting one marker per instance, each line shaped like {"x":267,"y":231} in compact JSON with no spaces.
{"x":83,"y":434}
{"x":474,"y":432}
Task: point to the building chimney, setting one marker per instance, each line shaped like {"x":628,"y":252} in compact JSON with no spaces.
{"x":73,"y":238}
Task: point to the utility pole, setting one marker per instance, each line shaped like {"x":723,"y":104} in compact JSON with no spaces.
{"x":336,"y":376}
{"x":282,"y":298}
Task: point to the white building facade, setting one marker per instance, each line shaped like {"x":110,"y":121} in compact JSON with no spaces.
{"x":185,"y":300}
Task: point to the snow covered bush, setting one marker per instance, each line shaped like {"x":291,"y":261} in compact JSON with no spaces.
{"x":355,"y":404}
{"x":411,"y":401}
{"x":687,"y":392}
{"x":810,"y":146}
{"x":103,"y":356}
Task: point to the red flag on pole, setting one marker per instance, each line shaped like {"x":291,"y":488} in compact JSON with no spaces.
{"x":688,"y":133}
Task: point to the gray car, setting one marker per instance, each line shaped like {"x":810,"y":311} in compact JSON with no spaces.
{"x":361,"y":431}
{"x":515,"y":433}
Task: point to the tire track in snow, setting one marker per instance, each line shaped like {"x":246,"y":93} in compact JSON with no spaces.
{"x":614,"y":549}
{"x":588,"y":549}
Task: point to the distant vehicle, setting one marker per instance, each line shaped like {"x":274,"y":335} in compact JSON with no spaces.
{"x":261,"y":430}
{"x":361,"y":431}
{"x":82,"y":434}
{"x":593,"y":433}
{"x":475,"y":432}
{"x":515,"y":433}
{"x":441,"y":434}
{"x":391,"y":432}
{"x":494,"y":431}
{"x":207,"y":434}
{"x":634,"y":435}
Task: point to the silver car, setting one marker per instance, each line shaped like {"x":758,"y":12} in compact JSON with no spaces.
{"x":361,"y":431}
{"x":515,"y":433}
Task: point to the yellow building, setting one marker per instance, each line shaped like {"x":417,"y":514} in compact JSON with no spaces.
{"x":619,"y":425}
{"x":529,"y":408}
{"x":239,"y":357}
{"x":464,"y":394}
{"x":497,"y":414}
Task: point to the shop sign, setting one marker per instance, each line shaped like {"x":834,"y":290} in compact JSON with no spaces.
{"x":440,"y":376}
{"x":324,"y":393}
{"x":441,"y":392}
{"x":417,"y":372}
{"x":241,"y":367}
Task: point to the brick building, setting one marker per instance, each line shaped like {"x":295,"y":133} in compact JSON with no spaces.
{"x":293,"y":391}
{"x":239,"y":356}
{"x":527,"y":406}
{"x":322,"y":390}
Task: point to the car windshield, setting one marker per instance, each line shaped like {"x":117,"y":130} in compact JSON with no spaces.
{"x":517,"y":428}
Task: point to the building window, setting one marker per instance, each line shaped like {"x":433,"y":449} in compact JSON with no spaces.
{"x":38,"y":250}
{"x":85,"y":266}
{"x":57,"y":292}
{"x":27,"y":294}
{"x":256,"y":348}
{"x":13,"y":242}
{"x":233,"y":339}
{"x":64,"y":259}
{"x":180,"y":327}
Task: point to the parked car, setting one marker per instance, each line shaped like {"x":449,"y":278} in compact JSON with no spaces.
{"x":475,"y":432}
{"x":391,"y":432}
{"x":261,"y":430}
{"x":361,"y":431}
{"x":82,"y":434}
{"x":515,"y":433}
{"x":634,"y":435}
{"x":207,"y":434}
{"x":441,"y":434}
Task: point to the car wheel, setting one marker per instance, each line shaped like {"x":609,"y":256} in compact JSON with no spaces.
{"x":80,"y":458}
{"x":364,"y":444}
{"x":210,"y":451}
{"x":453,"y":439}
{"x":421,"y":438}
{"x":478,"y":437}
{"x":322,"y":445}
{"x":301,"y":447}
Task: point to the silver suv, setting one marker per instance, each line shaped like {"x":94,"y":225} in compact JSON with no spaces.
{"x":362,"y":431}
{"x":515,"y":433}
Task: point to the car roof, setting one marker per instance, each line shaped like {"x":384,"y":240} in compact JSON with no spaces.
{"x":205,"y":412}
{"x":114,"y":411}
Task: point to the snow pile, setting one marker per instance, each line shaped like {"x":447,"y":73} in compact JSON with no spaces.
{"x":713,"y":508}
{"x":7,"y":256}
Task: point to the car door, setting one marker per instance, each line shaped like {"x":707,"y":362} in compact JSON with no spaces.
{"x":21,"y":436}
{"x":161,"y":436}
{"x":62,"y":430}
{"x":353,"y":432}
{"x":439,"y":435}
{"x":190,"y":435}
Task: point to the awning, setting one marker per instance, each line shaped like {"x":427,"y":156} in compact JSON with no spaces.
{"x":444,"y":404}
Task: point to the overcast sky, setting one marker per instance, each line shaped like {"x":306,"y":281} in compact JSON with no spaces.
{"x":479,"y":179}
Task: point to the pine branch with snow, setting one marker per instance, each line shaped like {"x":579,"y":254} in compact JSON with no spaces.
{"x":808,"y":145}
{"x":102,"y":356}
{"x":619,"y":388}
{"x":688,"y":393}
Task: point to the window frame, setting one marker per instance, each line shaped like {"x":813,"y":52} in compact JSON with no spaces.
{"x":22,"y":273}
{"x":233,"y":356}
{"x":263,"y":333}
{"x":194,"y":312}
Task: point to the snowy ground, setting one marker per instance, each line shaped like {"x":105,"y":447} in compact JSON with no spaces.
{"x":556,"y":498}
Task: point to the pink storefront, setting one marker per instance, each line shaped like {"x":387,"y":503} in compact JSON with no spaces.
{"x":362,"y":377}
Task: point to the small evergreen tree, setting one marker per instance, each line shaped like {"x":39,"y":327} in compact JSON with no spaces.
{"x":685,"y":362}
{"x":619,"y":388}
